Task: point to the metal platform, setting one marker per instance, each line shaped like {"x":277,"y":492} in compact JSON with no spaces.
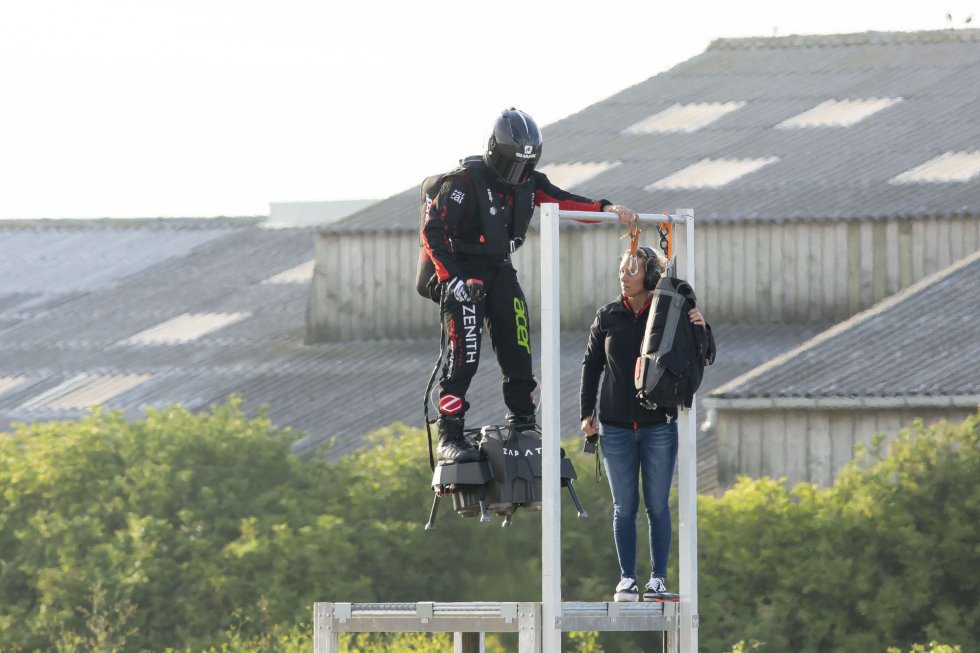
{"x":469,"y":621}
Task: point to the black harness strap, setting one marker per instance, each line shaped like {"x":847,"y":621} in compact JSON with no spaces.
{"x":432,"y":378}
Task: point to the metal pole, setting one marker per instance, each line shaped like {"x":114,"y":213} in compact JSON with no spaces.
{"x":325,"y":638}
{"x":550,"y":432}
{"x":687,"y":487}
{"x":529,"y":624}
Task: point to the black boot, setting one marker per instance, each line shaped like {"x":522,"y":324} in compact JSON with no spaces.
{"x":522,"y":422}
{"x":453,"y":447}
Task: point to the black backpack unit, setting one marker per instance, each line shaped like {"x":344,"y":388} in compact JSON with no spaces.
{"x":674,"y":351}
{"x":426,"y":280}
{"x":507,"y":477}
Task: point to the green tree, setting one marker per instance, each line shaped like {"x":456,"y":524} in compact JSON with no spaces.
{"x":203,"y":532}
{"x":154,"y":524}
{"x":877,"y":559}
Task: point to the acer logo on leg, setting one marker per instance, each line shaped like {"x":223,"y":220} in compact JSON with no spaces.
{"x":520,"y":319}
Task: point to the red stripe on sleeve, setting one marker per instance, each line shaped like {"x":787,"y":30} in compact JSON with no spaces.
{"x":541,"y":197}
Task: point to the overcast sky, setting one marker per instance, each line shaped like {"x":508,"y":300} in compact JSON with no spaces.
{"x":134,"y":108}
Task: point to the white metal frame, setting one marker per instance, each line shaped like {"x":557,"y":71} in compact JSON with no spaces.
{"x":551,"y":436}
{"x":540,"y":624}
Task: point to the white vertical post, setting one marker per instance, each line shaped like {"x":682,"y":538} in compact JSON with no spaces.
{"x":550,"y":432}
{"x":687,"y":487}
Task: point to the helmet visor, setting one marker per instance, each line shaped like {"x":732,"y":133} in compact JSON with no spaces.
{"x":514,"y":171}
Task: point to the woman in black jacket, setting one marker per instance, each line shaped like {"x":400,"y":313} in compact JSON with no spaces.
{"x":634,"y":440}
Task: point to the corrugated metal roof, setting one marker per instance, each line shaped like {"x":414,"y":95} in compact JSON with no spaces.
{"x":571,"y":175}
{"x":921,"y":343}
{"x":54,"y":260}
{"x":58,"y":341}
{"x":821,"y":172}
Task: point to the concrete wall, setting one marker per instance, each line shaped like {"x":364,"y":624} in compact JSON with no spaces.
{"x":789,"y":272}
{"x":809,"y":445}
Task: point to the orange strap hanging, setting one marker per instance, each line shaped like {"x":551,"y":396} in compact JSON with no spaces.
{"x":666,"y":231}
{"x":633,"y":231}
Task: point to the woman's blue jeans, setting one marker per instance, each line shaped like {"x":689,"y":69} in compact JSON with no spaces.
{"x":627,"y":453}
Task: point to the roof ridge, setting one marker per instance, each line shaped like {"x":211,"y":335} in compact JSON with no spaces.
{"x":849,"y":323}
{"x":856,"y":38}
{"x":79,"y":224}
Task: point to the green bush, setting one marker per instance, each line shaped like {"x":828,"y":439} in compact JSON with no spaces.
{"x":193,"y":531}
{"x":879,"y":558}
{"x":932,"y":647}
{"x":202,"y":532}
{"x":162,"y":532}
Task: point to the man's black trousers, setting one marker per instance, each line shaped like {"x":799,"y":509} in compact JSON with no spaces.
{"x":504,"y":309}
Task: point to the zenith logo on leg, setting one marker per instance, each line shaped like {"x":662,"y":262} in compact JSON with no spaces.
{"x":471,"y":329}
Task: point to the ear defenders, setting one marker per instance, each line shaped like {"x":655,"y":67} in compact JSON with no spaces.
{"x":651,"y":273}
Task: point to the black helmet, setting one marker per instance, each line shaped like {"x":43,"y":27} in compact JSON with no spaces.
{"x":514,"y":146}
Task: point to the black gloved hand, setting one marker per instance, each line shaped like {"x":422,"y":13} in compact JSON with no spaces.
{"x":456,"y":288}
{"x":475,"y":288}
{"x":467,"y":291}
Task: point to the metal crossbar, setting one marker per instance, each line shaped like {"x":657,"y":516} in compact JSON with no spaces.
{"x":612,"y":217}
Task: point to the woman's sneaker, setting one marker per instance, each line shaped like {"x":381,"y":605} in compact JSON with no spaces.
{"x":657,"y":591}
{"x":626,"y":590}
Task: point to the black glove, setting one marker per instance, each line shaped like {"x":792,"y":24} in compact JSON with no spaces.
{"x":456,"y":288}
{"x":475,"y":288}
{"x":467,"y":291}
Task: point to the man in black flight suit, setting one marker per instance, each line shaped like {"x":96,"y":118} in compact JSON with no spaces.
{"x":477,"y":220}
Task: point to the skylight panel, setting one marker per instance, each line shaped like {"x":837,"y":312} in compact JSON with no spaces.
{"x":711,"y":173}
{"x":838,"y":113}
{"x":302,"y":273}
{"x":10,"y":382}
{"x":85,"y":390}
{"x":185,"y":328}
{"x":684,"y":118}
{"x":948,"y":167}
{"x":566,"y":175}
